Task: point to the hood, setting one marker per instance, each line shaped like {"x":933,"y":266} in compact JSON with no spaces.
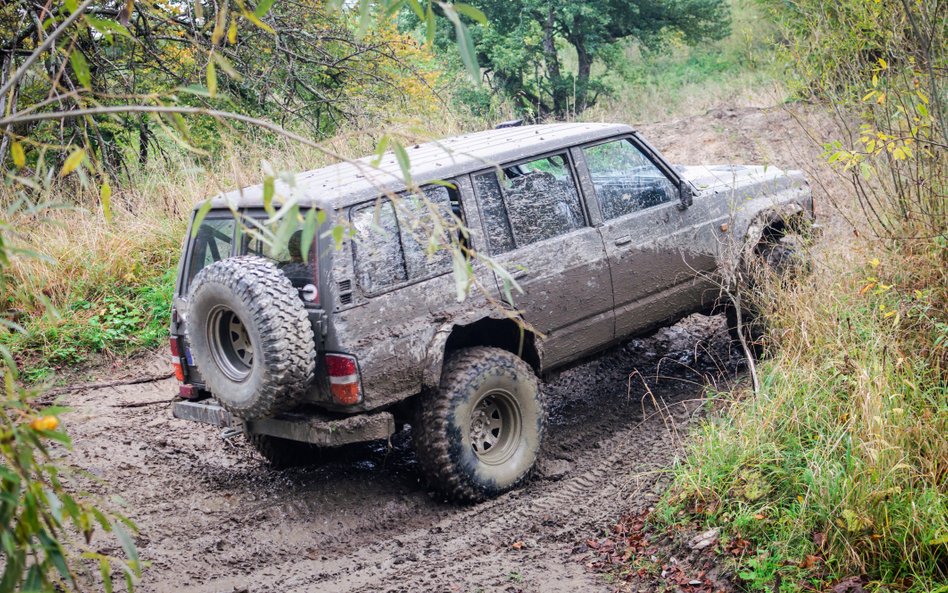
{"x":705,"y":177}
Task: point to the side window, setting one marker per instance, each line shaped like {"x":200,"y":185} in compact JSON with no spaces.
{"x":404,"y":240}
{"x":529,"y":202}
{"x":380,"y":262}
{"x":212,"y":243}
{"x":625,"y":179}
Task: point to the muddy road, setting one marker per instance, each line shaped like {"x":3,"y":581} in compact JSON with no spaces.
{"x":215,"y":519}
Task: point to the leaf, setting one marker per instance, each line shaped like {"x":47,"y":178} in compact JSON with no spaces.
{"x":232,"y":32}
{"x":309,"y":233}
{"x":268,"y":189}
{"x":465,"y":44}
{"x":263,"y":7}
{"x":260,"y":24}
{"x":220,"y":24}
{"x":472,"y":13}
{"x":198,"y":9}
{"x":199,"y":216}
{"x":19,"y":157}
{"x":211,"y":78}
{"x":380,"y":150}
{"x":403,"y":162}
{"x":337,"y":232}
{"x":128,"y":545}
{"x":107,"y":27}
{"x":105,"y":195}
{"x":72,"y":161}
{"x":417,"y":9}
{"x":226,"y":66}
{"x":81,"y":67}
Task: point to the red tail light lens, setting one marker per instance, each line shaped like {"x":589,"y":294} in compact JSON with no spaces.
{"x":176,"y":360}
{"x":345,"y":385}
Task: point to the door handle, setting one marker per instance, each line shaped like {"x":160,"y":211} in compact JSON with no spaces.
{"x":625,"y":240}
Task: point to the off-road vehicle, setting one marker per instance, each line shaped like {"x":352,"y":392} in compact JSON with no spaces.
{"x":605,"y":238}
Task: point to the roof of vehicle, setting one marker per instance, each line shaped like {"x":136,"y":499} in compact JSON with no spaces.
{"x":345,"y":183}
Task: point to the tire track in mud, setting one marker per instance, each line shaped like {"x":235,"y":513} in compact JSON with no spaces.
{"x":214,"y":519}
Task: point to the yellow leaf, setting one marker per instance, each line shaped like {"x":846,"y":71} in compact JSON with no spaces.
{"x":19,"y":157}
{"x":105,"y":195}
{"x":232,"y":32}
{"x":874,"y":262}
{"x":211,"y":78}
{"x":72,"y":162}
{"x":883,"y":64}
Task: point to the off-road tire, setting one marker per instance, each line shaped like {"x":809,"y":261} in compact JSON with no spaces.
{"x":283,"y":453}
{"x":279,"y":333}
{"x":443,"y":418}
{"x":786,"y":258}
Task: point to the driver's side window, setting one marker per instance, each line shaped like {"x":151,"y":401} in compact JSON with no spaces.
{"x":626,"y":181}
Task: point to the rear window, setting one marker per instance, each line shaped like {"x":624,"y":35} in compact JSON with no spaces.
{"x":287,"y":255}
{"x":212,"y":242}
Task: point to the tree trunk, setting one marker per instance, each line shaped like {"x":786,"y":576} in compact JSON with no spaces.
{"x":553,"y":74}
{"x":585,"y":60}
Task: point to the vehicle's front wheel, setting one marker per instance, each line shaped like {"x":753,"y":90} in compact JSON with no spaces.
{"x":786,"y":260}
{"x":478,"y":435}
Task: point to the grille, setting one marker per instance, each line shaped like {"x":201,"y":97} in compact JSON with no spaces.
{"x":345,"y":286}
{"x":345,"y":299}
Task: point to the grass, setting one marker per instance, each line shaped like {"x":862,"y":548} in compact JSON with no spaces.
{"x":838,"y":467}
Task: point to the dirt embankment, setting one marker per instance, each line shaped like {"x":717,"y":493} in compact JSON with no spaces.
{"x":213,"y":518}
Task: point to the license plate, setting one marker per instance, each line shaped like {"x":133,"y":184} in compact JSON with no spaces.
{"x":187,"y":356}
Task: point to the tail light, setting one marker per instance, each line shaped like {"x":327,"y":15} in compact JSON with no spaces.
{"x":176,"y":360}
{"x":345,"y":385}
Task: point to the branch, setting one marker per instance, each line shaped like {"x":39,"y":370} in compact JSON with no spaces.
{"x":45,"y":46}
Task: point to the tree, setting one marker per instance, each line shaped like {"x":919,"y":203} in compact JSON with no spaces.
{"x":521,"y":47}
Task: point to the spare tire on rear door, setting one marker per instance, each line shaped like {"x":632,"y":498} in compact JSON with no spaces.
{"x":250,"y":336}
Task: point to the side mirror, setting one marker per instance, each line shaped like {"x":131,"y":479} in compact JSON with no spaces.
{"x":686,"y":194}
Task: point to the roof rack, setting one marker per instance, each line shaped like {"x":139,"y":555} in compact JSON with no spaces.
{"x":509,"y":124}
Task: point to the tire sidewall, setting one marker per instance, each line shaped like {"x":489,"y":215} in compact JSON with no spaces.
{"x":492,"y":479}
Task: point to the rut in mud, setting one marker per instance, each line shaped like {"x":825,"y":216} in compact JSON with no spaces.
{"x":213,"y":518}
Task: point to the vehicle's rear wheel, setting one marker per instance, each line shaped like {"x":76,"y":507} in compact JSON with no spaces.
{"x":283,"y":453}
{"x":784,"y":258}
{"x":250,"y":336}
{"x":478,"y":435}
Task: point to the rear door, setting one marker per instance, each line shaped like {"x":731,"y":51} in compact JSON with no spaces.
{"x":656,"y":274}
{"x":538,"y":229}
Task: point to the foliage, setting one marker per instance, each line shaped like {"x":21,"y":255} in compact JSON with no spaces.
{"x":838,"y":466}
{"x":886,"y":63}
{"x":522,"y":46}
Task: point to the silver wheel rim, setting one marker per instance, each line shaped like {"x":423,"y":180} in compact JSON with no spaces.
{"x":229,"y":343}
{"x":496,"y":427}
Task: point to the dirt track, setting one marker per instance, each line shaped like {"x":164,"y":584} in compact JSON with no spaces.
{"x":213,"y":518}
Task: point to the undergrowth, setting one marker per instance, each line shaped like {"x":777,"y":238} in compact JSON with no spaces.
{"x":838,"y":467}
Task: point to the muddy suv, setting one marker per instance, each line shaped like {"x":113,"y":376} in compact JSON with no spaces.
{"x":349,"y":343}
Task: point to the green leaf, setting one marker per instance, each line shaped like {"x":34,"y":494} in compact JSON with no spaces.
{"x":472,"y":13}
{"x":263,"y":7}
{"x":107,"y":27}
{"x":105,"y":195}
{"x":337,"y":232}
{"x":465,"y":43}
{"x":199,"y":216}
{"x":380,"y":150}
{"x":211,"y":78}
{"x":365,"y":14}
{"x":403,"y":162}
{"x":309,"y":233}
{"x":128,"y":545}
{"x":81,"y":67}
{"x":72,"y":161}
{"x":268,"y":189}
{"x":253,"y":18}
{"x":417,"y":9}
{"x":19,"y":157}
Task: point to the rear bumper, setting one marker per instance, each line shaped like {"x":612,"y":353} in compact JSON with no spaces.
{"x":308,"y":428}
